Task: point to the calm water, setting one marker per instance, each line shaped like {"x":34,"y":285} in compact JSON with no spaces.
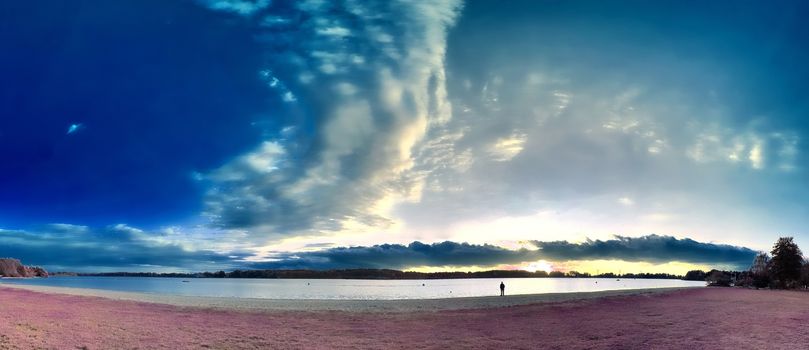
{"x":348,"y":289}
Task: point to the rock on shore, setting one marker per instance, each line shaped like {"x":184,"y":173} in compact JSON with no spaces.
{"x":14,"y":268}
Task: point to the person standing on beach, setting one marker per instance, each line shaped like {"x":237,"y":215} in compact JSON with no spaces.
{"x":502,"y":289}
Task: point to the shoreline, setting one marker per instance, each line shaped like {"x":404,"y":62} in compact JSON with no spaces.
{"x":402,"y":305}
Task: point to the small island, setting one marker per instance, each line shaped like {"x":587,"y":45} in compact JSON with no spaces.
{"x":10,"y":267}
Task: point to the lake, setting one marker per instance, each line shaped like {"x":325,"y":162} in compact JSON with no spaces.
{"x":349,"y":289}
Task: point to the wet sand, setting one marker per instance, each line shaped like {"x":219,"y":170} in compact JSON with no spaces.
{"x":695,"y":318}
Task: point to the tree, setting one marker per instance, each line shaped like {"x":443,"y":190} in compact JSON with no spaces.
{"x":695,"y":275}
{"x":805,"y":275}
{"x":718,"y":278}
{"x":760,"y":271}
{"x":786,"y":263}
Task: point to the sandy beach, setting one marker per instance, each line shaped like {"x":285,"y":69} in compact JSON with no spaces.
{"x":696,"y":318}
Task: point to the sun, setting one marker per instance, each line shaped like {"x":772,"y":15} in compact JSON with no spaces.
{"x":540,"y":265}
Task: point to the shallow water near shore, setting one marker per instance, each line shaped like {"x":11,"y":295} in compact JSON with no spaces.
{"x":344,"y":289}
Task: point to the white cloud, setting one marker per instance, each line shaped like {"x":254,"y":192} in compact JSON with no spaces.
{"x":275,"y":83}
{"x":626,"y":201}
{"x":753,"y":148}
{"x":274,"y":21}
{"x":334,"y":31}
{"x":288,"y":97}
{"x":267,"y":158}
{"x":504,"y":149}
{"x":242,"y":7}
{"x":73,"y":128}
{"x":756,"y":155}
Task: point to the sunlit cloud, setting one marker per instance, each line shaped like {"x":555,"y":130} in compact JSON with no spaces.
{"x":506,"y":148}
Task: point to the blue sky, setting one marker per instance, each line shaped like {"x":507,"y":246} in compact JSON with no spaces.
{"x":193,"y":135}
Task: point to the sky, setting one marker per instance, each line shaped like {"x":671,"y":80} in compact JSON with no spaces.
{"x":594,"y":136}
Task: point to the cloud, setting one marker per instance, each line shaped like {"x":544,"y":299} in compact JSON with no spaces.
{"x":593,"y":125}
{"x":73,"y":128}
{"x":119,"y":247}
{"x":651,"y":248}
{"x":753,"y":148}
{"x":410,"y":119}
{"x":508,"y":147}
{"x":398,"y":256}
{"x":368,"y":79}
{"x":125,"y":248}
{"x":242,"y":7}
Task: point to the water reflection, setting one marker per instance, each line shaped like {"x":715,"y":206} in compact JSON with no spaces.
{"x":349,"y":289}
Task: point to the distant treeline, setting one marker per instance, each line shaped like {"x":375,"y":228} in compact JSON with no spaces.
{"x":376,"y":274}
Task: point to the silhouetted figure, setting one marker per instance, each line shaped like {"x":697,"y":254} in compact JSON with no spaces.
{"x":502,"y":289}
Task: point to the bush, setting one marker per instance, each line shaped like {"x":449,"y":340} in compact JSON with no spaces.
{"x":718,"y":278}
{"x":804,"y":282}
{"x":761,"y":280}
{"x":695,"y":275}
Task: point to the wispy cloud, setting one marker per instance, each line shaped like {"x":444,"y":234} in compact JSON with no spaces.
{"x":508,"y":147}
{"x":242,"y":7}
{"x":371,"y":76}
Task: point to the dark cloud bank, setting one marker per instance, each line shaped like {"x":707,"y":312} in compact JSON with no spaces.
{"x":123,"y":248}
{"x":651,"y":248}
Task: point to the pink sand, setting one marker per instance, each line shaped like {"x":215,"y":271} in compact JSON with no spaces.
{"x":704,"y":318}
